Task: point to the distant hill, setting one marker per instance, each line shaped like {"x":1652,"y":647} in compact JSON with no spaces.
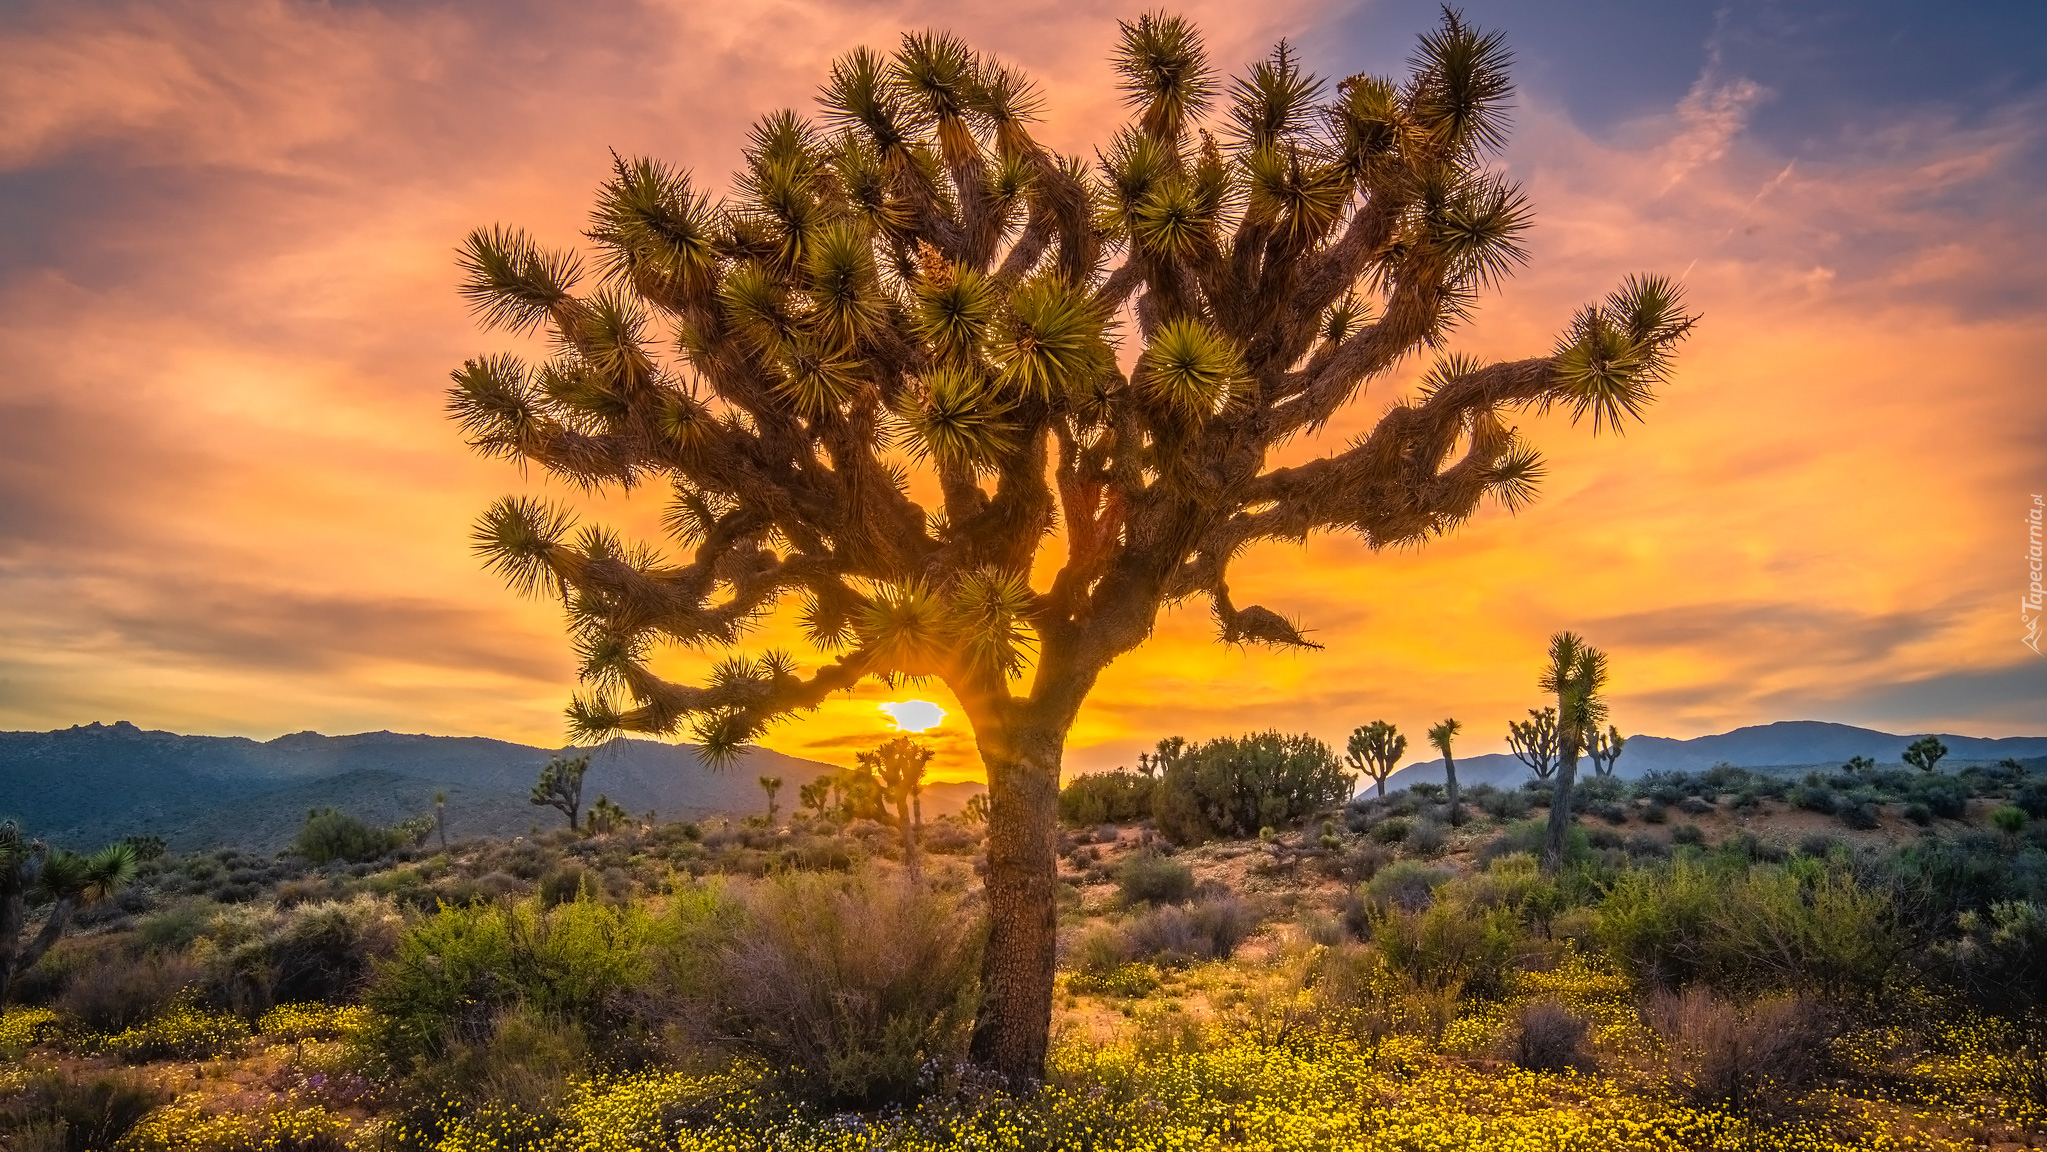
{"x":84,"y":785}
{"x":1786,"y":744}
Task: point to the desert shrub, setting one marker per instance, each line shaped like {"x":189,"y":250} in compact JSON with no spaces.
{"x":1918,"y":813}
{"x":121,"y":991}
{"x":1688,"y":834}
{"x":1528,"y":836}
{"x":326,"y":950}
{"x":455,"y":971}
{"x":1105,"y":797}
{"x":310,"y":1021}
{"x":1859,"y":815}
{"x":1603,"y":838}
{"x":1357,"y":862}
{"x":1129,"y":981}
{"x":2031,"y":798}
{"x":1549,"y":1037}
{"x":1642,"y":845}
{"x":565,"y":883}
{"x":1449,"y":946}
{"x":1405,"y":884}
{"x":2001,"y":955}
{"x":1759,"y":1060}
{"x":1149,"y":878}
{"x":1944,"y":796}
{"x":1209,"y":929}
{"x":62,"y":1110}
{"x":1426,"y":837}
{"x":1391,"y":830}
{"x":1234,"y":786}
{"x":1818,"y":846}
{"x":1757,"y":927}
{"x":1655,"y":812}
{"x":943,"y":838}
{"x":1101,"y":948}
{"x":849,"y":986}
{"x":329,"y":835}
{"x":1695,"y":805}
{"x":1815,"y":798}
{"x":280,"y":1126}
{"x":184,"y":1031}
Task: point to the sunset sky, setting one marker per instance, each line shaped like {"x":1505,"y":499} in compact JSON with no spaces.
{"x":230,"y":503}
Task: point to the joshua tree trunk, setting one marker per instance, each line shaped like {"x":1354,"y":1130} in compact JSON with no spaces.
{"x":1012,"y":1029}
{"x":1450,"y":786}
{"x":1560,"y":808}
{"x":15,"y":958}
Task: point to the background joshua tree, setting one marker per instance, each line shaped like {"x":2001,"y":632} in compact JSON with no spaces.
{"x":1925,"y":752}
{"x":911,"y":281}
{"x":33,"y":875}
{"x":898,"y":766}
{"x":606,"y":815}
{"x":441,"y":818}
{"x":1441,"y":736}
{"x":561,"y":785}
{"x":1858,"y":764}
{"x":815,"y":796}
{"x":1577,"y":676}
{"x":1534,"y":741}
{"x":1605,"y":749}
{"x":1375,"y":749}
{"x":771,"y":785}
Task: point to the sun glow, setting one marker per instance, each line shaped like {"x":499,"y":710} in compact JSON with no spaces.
{"x":913,"y":715}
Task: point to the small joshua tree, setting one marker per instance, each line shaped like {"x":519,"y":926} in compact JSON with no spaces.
{"x":561,"y":786}
{"x":33,"y":875}
{"x":1534,"y":741}
{"x":1577,"y":676}
{"x":1925,"y":753}
{"x":771,"y":785}
{"x":898,"y":766}
{"x":815,"y":796}
{"x":441,"y":818}
{"x":1858,"y":764}
{"x":606,"y":815}
{"x":1605,"y":749}
{"x":1375,"y":749}
{"x":1441,"y":736}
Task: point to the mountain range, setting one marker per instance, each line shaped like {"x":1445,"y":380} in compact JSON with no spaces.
{"x":1785,"y":745}
{"x":85,"y":785}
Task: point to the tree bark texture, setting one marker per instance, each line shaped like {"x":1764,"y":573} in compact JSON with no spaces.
{"x":1013,"y":1029}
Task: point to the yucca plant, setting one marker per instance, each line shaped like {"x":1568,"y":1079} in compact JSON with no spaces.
{"x":1576,"y":676}
{"x":1375,"y":749}
{"x":880,"y":376}
{"x":1443,"y":736}
{"x":34,"y":875}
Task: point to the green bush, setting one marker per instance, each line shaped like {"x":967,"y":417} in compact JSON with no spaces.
{"x":1149,"y":878}
{"x":60,"y":1109}
{"x":329,"y":835}
{"x":453,"y":972}
{"x":1094,"y":798}
{"x":1210,"y":929}
{"x":1232,"y":787}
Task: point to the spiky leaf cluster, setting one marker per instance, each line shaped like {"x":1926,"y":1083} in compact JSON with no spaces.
{"x":882,"y":371}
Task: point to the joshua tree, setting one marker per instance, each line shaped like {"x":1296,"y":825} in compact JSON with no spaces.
{"x":441,"y":818}
{"x":816,"y":795}
{"x":561,"y":785}
{"x":1925,"y":753}
{"x":1376,"y":749}
{"x":913,"y":280}
{"x":1534,"y":741}
{"x":898,"y":766}
{"x":1441,"y":736}
{"x":33,"y":875}
{"x":1577,"y":677}
{"x":976,"y":811}
{"x":606,"y":816}
{"x":1605,"y":749}
{"x":771,"y":785}
{"x":1858,"y":764}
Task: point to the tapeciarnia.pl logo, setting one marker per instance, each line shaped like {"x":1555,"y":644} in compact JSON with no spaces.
{"x":2034,"y":602}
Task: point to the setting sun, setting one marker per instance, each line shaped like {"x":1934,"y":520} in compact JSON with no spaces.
{"x":913,"y":715}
